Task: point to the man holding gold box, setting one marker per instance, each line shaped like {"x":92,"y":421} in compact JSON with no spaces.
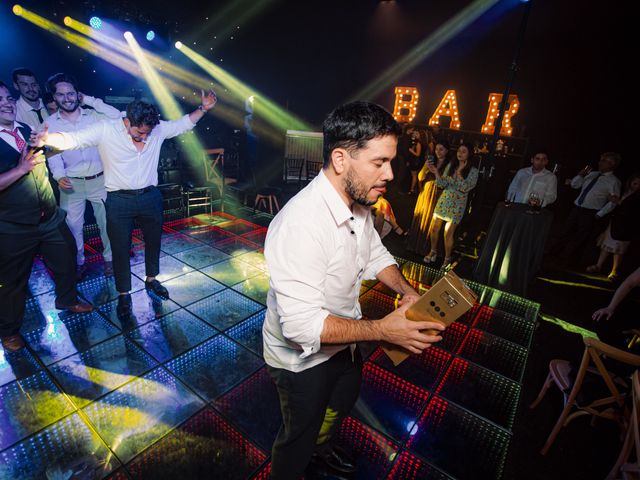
{"x":319,"y":249}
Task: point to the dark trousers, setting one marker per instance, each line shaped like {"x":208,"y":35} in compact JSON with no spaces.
{"x":313,"y":403}
{"x":19,"y":244}
{"x":578,"y":229}
{"x":122,"y":209}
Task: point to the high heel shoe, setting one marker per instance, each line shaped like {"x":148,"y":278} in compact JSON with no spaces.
{"x":446,"y":264}
{"x":430,"y":257}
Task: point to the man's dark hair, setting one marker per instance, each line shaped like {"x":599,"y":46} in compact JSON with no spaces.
{"x":59,"y":78}
{"x":3,"y":85}
{"x":536,"y":151}
{"x":47,"y":98}
{"x":142,"y":113}
{"x":21,"y":71}
{"x":352,"y":125}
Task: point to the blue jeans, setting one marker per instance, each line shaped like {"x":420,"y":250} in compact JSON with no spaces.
{"x":123,"y":207}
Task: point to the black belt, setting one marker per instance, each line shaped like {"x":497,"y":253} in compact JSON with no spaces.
{"x":135,"y":192}
{"x":90,"y":177}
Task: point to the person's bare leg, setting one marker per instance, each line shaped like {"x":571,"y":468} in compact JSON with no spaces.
{"x":449,"y":239}
{"x":617,"y":260}
{"x":600,"y":263}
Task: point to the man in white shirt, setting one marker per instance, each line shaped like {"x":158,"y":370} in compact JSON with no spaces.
{"x":319,"y":249}
{"x":130,"y":152}
{"x":591,"y":205}
{"x":79,"y":173}
{"x":29,"y":108}
{"x":535,"y":179}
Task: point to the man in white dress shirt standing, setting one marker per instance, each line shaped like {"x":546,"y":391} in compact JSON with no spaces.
{"x":79,"y":173}
{"x":30,"y":108}
{"x":130,"y":152}
{"x":534,"y":179}
{"x":589,"y":208}
{"x":319,"y":249}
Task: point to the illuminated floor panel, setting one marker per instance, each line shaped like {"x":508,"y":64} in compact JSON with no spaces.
{"x":179,"y":388}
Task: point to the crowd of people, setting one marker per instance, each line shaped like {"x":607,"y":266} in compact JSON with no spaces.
{"x":94,"y":153}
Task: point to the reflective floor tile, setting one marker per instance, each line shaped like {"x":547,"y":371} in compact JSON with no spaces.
{"x":258,"y":237}
{"x":470,"y":315}
{"x":481,"y":391}
{"x":255,"y":287}
{"x":139,"y":413}
{"x":373,"y":452}
{"x":146,"y":306}
{"x":458,"y":442}
{"x":16,"y":365}
{"x":260,"y":218}
{"x":254,"y":406}
{"x":224,"y":309}
{"x":505,"y":325}
{"x":39,"y":310}
{"x":376,"y":305}
{"x":137,"y":252}
{"x":101,"y":290}
{"x":249,"y":333}
{"x":239,"y":227}
{"x":231,"y":271}
{"x":40,"y":281}
{"x":205,"y":446}
{"x":421,"y":273}
{"x":381,"y":287}
{"x":93,"y":267}
{"x":169,"y":268}
{"x":185,"y":225}
{"x":103,"y":368}
{"x":215,"y":366}
{"x":178,"y":243}
{"x":236,"y":246}
{"x":453,"y":336}
{"x":28,"y":405}
{"x":172,"y":334}
{"x":494,"y":353}
{"x":423,"y":370}
{"x":67,"y":449}
{"x":62,"y":337}
{"x":388,"y":403}
{"x":255,"y":259}
{"x":409,"y":466}
{"x":191,"y":287}
{"x":210,"y":235}
{"x":510,"y":303}
{"x":200,"y":257}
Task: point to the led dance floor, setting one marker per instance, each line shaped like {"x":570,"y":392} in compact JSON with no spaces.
{"x":179,"y":389}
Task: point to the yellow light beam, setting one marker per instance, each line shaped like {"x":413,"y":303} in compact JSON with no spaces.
{"x":425,"y":48}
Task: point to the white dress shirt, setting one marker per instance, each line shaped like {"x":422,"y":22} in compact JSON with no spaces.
{"x":526,"y":182}
{"x":85,"y":162}
{"x":598,"y":197}
{"x":10,"y":139}
{"x":125,"y":168}
{"x":318,"y":252}
{"x":25,"y":113}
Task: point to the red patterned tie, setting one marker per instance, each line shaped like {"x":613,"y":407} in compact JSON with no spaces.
{"x":20,"y":143}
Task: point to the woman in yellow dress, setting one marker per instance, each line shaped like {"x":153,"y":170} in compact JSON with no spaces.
{"x":418,"y":238}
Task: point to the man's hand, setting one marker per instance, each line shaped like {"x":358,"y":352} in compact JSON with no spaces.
{"x":209,"y":100}
{"x":585,"y":171}
{"x":408,"y":299}
{"x":65,"y":183}
{"x":602,"y":314}
{"x":29,"y":159}
{"x":396,"y":329}
{"x":39,"y":139}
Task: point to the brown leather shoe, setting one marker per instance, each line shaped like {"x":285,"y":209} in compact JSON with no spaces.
{"x":12,"y":343}
{"x":76,"y":308}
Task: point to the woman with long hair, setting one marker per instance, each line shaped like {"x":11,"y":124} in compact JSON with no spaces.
{"x":457,"y":180}
{"x":418,"y":238}
{"x":615,"y":240}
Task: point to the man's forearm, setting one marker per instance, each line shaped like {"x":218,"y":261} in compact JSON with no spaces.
{"x":392,"y":277}
{"x":338,"y":330}
{"x":196,"y":115}
{"x":58,"y":141}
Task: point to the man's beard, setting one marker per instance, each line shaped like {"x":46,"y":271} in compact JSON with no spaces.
{"x":61,"y":106}
{"x":356,"y":190}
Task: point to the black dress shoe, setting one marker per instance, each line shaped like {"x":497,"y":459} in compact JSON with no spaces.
{"x":124,"y":305}
{"x":336,"y":458}
{"x":156,"y":287}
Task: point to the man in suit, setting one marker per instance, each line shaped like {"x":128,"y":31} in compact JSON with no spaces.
{"x":30,"y":223}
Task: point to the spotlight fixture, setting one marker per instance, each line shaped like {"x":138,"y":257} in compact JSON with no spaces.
{"x":96,"y":23}
{"x":128,"y":35}
{"x":151,"y":35}
{"x":17,"y":10}
{"x":178,"y":45}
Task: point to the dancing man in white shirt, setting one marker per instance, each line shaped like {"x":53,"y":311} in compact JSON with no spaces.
{"x":30,"y":108}
{"x":79,"y":173}
{"x":130,"y":152}
{"x":319,"y":249}
{"x":534,"y":179}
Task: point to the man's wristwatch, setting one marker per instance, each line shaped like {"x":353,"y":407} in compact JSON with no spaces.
{"x":202,"y":109}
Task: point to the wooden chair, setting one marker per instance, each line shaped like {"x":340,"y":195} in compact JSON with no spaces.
{"x":606,"y":407}
{"x":312,"y":170}
{"x":631,"y":443}
{"x":292,"y":170}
